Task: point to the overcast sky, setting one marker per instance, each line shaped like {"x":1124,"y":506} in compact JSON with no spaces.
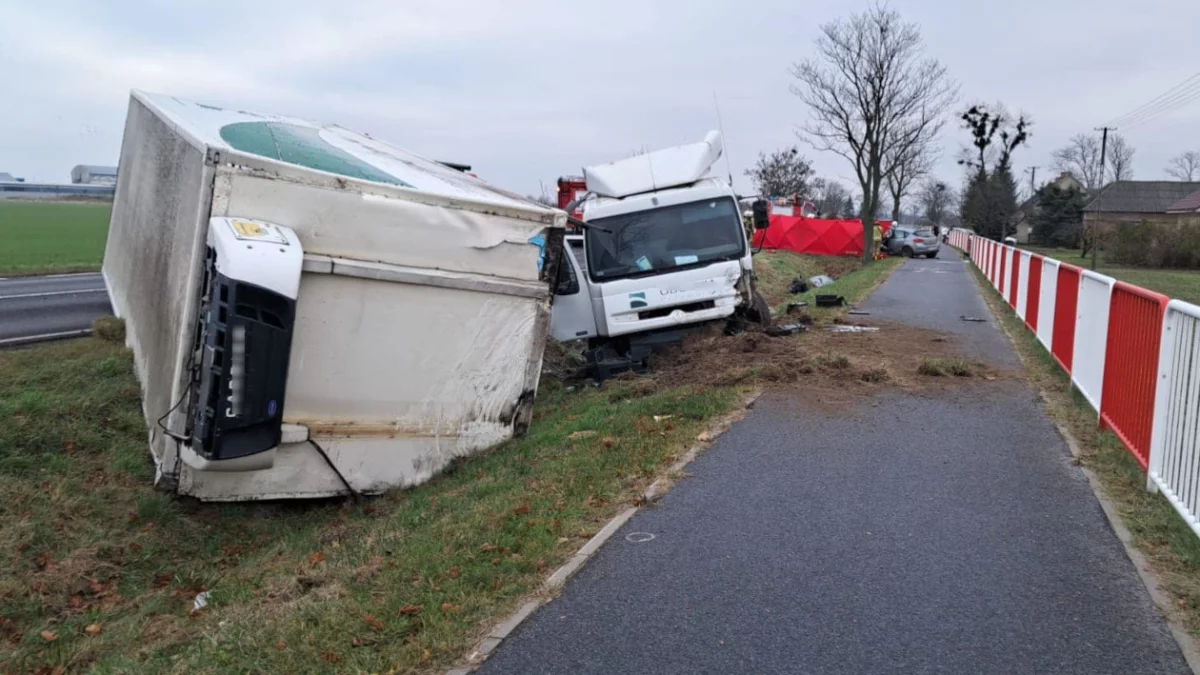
{"x":526,"y":90}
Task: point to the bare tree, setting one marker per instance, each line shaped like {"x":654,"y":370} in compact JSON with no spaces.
{"x":936,"y":200}
{"x":1185,"y":167}
{"x":871,"y":91}
{"x":785,"y":173}
{"x":1080,"y":158}
{"x":1119,"y":159}
{"x":907,"y":168}
{"x":830,"y":197}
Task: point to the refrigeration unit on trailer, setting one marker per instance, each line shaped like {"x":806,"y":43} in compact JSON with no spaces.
{"x":664,"y":251}
{"x":313,"y":311}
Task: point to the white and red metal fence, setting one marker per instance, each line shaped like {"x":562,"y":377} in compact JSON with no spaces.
{"x":1134,"y":355}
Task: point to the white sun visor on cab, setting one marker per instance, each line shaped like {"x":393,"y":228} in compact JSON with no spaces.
{"x":656,"y":170}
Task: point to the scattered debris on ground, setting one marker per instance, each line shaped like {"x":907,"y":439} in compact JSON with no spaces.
{"x":845,"y":328}
{"x":822,"y":366}
{"x":827,"y":300}
{"x":973,"y":319}
{"x":798,"y":285}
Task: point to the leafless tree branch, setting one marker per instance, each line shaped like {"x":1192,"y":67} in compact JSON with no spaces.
{"x":873,"y":98}
{"x":1185,"y":167}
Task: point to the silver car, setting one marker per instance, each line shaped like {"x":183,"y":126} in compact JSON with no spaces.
{"x":912,"y":242}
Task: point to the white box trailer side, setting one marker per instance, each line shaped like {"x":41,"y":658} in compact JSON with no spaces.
{"x":419,"y":323}
{"x":152,"y":262}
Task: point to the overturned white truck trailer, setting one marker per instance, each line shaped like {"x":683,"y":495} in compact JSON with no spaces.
{"x":313,"y":311}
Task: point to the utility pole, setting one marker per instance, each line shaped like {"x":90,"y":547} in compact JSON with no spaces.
{"x":1032,"y":179}
{"x":1099,"y":197}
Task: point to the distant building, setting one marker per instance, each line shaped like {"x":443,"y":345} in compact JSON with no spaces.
{"x":85,"y":174}
{"x":1027,"y":210}
{"x":1138,"y":200}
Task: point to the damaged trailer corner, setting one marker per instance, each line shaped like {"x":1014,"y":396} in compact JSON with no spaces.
{"x":313,"y":311}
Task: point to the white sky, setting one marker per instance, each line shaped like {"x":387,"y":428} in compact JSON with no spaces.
{"x":526,"y":90}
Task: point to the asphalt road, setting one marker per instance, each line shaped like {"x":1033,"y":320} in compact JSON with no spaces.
{"x":50,"y":305}
{"x":946,"y":533}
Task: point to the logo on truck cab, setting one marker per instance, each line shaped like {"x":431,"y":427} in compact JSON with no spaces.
{"x":637,"y":300}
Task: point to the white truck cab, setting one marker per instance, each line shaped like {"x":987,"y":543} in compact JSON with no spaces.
{"x":664,"y":251}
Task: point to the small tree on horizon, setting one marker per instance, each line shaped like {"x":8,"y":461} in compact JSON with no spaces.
{"x":784,"y":173}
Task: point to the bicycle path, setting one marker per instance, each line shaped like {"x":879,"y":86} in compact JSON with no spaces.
{"x":946,"y":533}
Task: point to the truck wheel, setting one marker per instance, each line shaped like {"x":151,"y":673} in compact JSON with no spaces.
{"x":907,"y":252}
{"x":759,"y":311}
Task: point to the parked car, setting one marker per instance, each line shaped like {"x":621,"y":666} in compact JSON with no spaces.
{"x":912,"y":242}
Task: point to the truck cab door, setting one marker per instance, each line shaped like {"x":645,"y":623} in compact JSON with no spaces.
{"x":571,"y":316}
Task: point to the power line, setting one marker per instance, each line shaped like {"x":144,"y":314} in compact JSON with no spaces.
{"x":1178,"y":94}
{"x":1174,"y":101}
{"x":1175,"y":105}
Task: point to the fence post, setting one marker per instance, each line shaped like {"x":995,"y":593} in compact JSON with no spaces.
{"x":1166,"y":361}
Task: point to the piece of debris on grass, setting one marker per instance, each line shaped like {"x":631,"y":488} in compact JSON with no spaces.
{"x":786,"y":329}
{"x":820,"y":280}
{"x":944,"y":367}
{"x":798,"y":285}
{"x":972,"y":319}
{"x":824,"y":300}
{"x":200,"y":602}
{"x":847,"y":328}
{"x":858,"y":312}
{"x":576,"y":435}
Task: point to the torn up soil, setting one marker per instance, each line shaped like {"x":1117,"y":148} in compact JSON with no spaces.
{"x":826,"y":368}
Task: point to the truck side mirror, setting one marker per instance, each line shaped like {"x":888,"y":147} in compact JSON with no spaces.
{"x":762,"y":217}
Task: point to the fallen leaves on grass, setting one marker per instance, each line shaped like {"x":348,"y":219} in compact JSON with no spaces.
{"x":49,"y":636}
{"x":315,"y":558}
{"x":409,"y":610}
{"x":92,"y":629}
{"x":372,"y":622}
{"x":449,"y":608}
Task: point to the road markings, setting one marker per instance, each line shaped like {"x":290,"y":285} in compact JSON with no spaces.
{"x":44,"y":337}
{"x":46,"y":295}
{"x":62,"y":276}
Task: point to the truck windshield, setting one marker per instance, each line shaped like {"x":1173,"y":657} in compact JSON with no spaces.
{"x":658,"y":240}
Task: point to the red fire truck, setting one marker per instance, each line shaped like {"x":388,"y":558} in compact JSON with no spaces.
{"x":572,"y":187}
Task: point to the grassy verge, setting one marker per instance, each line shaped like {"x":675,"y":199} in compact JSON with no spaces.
{"x":100,"y":570}
{"x":776,"y":269}
{"x":1181,"y":284}
{"x":1168,"y":543}
{"x":44,"y":237}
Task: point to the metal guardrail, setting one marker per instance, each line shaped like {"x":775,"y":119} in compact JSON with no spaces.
{"x":1174,"y":462}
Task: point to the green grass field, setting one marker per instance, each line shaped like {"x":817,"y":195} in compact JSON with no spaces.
{"x":1181,"y":284}
{"x":47,"y":237}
